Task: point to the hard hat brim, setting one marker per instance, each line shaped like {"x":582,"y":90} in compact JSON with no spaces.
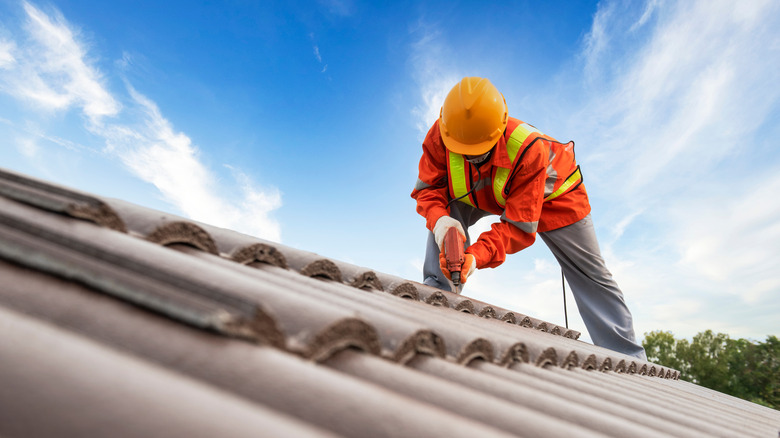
{"x":467,"y":149}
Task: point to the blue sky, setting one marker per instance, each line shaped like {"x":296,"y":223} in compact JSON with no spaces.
{"x":301,"y":122}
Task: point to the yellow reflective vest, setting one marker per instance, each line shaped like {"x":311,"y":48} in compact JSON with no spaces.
{"x":563,"y":174}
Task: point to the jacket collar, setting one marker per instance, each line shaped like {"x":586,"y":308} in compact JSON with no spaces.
{"x":500,"y":155}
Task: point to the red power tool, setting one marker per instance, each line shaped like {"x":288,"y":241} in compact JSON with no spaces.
{"x":453,"y":254}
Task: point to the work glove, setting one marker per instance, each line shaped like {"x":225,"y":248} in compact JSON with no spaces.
{"x":469,"y":266}
{"x":440,"y":229}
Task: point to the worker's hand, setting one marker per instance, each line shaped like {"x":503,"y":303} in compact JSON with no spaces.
{"x":440,"y":229}
{"x":469,"y":266}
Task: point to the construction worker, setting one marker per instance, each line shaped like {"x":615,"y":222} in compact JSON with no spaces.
{"x":478,"y":161}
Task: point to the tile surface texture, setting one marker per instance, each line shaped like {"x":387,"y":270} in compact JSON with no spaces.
{"x":118,"y":320}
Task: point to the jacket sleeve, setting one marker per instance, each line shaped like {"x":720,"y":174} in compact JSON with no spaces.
{"x":431,"y":190}
{"x":517,"y":228}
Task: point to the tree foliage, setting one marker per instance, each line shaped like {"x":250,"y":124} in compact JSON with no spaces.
{"x":739,"y":367}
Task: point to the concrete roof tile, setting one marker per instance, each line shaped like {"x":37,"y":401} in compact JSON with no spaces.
{"x":58,"y":199}
{"x":207,"y":320}
{"x":59,"y":384}
{"x":144,"y":222}
{"x":526,"y":391}
{"x":268,"y":376}
{"x":583,"y":393}
{"x":518,"y":418}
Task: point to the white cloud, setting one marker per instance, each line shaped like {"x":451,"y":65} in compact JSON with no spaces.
{"x":733,"y":243}
{"x":673,"y":127}
{"x":481,"y":226}
{"x":7,"y":59}
{"x":620,"y":227}
{"x":252,"y":214}
{"x":27,"y":146}
{"x":650,"y":7}
{"x":154,"y":151}
{"x":50,"y":68}
{"x":597,"y":40}
{"x":434,"y":75}
{"x":317,"y":54}
{"x":433,"y":91}
{"x":544,"y":267}
{"x":703,"y":80}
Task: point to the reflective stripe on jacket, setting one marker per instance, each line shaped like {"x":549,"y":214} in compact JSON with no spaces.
{"x":531,"y":181}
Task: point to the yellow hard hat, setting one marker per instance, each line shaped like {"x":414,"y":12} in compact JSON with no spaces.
{"x":473,"y":117}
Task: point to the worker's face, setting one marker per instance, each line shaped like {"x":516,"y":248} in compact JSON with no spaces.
{"x":476,"y":159}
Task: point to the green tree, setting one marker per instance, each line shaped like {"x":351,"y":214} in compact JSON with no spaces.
{"x":708,"y":358}
{"x":739,"y":367}
{"x":660,"y":348}
{"x":766,"y":374}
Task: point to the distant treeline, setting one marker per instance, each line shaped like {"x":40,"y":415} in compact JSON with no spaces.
{"x":739,"y":367}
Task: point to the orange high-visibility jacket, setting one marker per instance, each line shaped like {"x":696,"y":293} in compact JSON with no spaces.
{"x":532,"y":181}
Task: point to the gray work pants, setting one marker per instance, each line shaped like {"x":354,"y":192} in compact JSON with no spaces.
{"x":599,"y":299}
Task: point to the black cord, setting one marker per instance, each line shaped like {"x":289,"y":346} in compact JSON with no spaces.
{"x":565,"y":314}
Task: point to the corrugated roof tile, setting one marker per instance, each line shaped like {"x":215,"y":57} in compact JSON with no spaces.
{"x":524,"y":391}
{"x":204,"y":320}
{"x":58,"y":384}
{"x":58,"y":199}
{"x":582,"y":392}
{"x":526,"y":418}
{"x":267,"y":376}
{"x":124,"y":267}
{"x":143,"y":221}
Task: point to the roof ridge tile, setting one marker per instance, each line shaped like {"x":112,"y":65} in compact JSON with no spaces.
{"x":342,"y":334}
{"x":182,"y":232}
{"x":59,"y":199}
{"x":259,"y":253}
{"x":322,"y":268}
{"x":405,"y":290}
